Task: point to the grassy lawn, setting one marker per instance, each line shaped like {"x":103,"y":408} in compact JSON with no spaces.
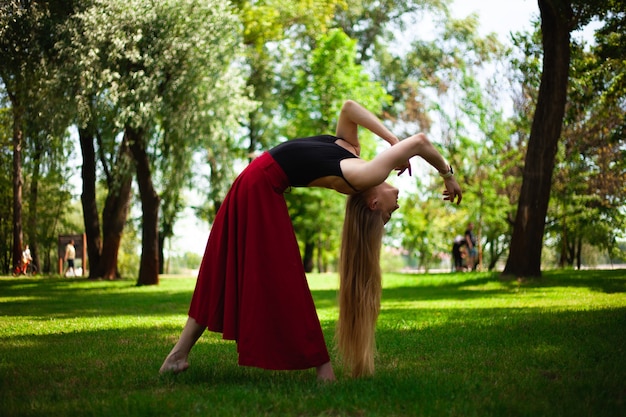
{"x":448,"y":345}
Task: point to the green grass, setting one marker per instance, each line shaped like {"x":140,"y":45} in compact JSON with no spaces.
{"x":448,"y":345}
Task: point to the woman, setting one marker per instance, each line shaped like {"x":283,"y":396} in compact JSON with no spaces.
{"x":251,"y":284}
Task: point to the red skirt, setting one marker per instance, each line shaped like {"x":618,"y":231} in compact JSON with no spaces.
{"x":251,"y":285}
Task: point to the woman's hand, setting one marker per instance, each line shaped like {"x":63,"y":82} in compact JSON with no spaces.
{"x":452,"y":191}
{"x":404,"y":167}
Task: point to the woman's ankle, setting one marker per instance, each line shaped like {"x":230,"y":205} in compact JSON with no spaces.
{"x":325,"y":372}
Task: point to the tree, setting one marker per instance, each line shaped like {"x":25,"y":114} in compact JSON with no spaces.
{"x":21,"y":52}
{"x":588,"y":193}
{"x":6,"y":187}
{"x":28,"y":31}
{"x":558,"y":19}
{"x":154,"y":65}
{"x":86,"y":76}
{"x":46,"y":175}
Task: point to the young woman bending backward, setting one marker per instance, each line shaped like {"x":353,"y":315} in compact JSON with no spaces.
{"x":251,"y":284}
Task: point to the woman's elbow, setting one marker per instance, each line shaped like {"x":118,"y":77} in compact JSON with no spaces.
{"x":348,"y":105}
{"x":420,"y":142}
{"x":422,"y":139}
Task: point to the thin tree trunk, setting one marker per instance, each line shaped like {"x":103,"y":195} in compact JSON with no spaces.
{"x":307,"y":259}
{"x":162,"y":253}
{"x":527,"y":241}
{"x":571,"y":249}
{"x":579,"y":250}
{"x":18,"y":181}
{"x":216,"y":185}
{"x":563,"y":254}
{"x":32,"y":208}
{"x":149,"y":266}
{"x":115,"y":213}
{"x":91,"y":218}
{"x":114,"y":218}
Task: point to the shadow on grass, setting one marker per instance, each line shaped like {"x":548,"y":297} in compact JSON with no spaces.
{"x":461,"y":287}
{"x":516,"y":362}
{"x":449,"y":290}
{"x":59,"y":297}
{"x":606,"y":281}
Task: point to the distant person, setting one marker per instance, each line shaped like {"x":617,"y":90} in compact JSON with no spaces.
{"x":252,"y":286}
{"x":472,"y":250}
{"x":70,"y":255}
{"x":26,"y":256}
{"x":22,"y":268}
{"x":457,"y":253}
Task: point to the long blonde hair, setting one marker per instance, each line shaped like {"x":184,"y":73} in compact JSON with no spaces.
{"x":360,"y":285}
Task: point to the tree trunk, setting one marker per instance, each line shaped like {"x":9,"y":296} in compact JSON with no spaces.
{"x":32,"y":208}
{"x":579,"y":250}
{"x":161,"y":253}
{"x":149,"y":266}
{"x":307,"y":259}
{"x":571,"y":249}
{"x":563,"y":251}
{"x":18,"y":182}
{"x":527,"y":241}
{"x":91,"y":218}
{"x":114,"y":214}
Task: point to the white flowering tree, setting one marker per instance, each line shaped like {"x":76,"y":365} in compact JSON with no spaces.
{"x":159,"y":70}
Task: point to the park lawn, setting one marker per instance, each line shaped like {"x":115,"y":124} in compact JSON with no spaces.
{"x":448,"y":345}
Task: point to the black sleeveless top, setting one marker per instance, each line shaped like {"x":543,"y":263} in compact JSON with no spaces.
{"x":307,"y":159}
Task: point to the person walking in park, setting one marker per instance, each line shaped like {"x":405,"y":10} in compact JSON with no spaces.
{"x":70,"y":255}
{"x":457,"y":253}
{"x":252,"y":286}
{"x":472,"y":250}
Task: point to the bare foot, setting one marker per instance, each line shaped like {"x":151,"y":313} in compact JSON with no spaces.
{"x":325,"y":373}
{"x":174,"y":364}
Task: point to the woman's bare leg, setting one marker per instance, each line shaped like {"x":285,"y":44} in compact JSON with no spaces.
{"x":176,"y":361}
{"x":325,"y":372}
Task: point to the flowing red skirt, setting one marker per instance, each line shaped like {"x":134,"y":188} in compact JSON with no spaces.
{"x":251,"y":285}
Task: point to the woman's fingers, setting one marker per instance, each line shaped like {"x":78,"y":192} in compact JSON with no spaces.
{"x":452,"y":192}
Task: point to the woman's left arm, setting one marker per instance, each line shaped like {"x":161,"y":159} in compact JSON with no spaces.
{"x":365,"y":174}
{"x":352,"y":116}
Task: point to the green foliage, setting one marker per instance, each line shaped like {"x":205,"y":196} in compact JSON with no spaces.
{"x":270,"y":20}
{"x":183,"y":264}
{"x":448,"y":344}
{"x":328,"y":78}
{"x":129,"y":254}
{"x":375,"y":24}
{"x":160,"y":63}
{"x":276,"y":35}
{"x":454,"y":79}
